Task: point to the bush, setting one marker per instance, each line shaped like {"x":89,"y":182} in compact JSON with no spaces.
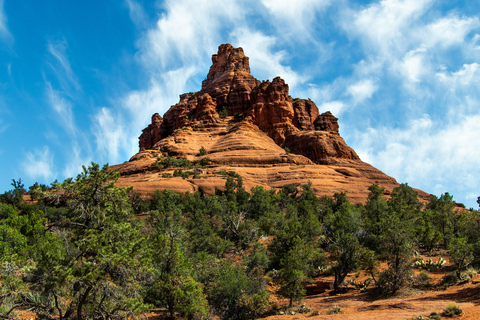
{"x":164,"y":163}
{"x":434,"y":316}
{"x":335,"y":310}
{"x":204,"y":162}
{"x":223,"y":113}
{"x":422,"y":279}
{"x":452,"y":310}
{"x":202,"y":151}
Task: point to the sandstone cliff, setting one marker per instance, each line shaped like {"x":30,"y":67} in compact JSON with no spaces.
{"x":253,"y":128}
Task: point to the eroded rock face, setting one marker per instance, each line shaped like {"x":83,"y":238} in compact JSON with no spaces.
{"x":271,"y":141}
{"x":229,"y":81}
{"x":326,"y":122}
{"x":272,"y":110}
{"x":305,"y":113}
{"x":151,"y":134}
{"x":319,"y":146}
{"x":230,"y":86}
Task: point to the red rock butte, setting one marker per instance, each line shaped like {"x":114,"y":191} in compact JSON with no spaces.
{"x":253,"y":128}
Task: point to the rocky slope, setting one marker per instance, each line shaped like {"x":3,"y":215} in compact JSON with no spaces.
{"x":252,"y":128}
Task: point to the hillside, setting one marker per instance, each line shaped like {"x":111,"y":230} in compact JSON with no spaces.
{"x":253,"y":128}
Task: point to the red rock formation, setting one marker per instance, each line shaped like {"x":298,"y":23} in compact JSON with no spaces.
{"x":320,"y":147}
{"x":229,"y":81}
{"x":305,"y":113}
{"x":326,"y":122}
{"x":151,"y":134}
{"x":272,"y":111}
{"x":205,"y":114}
{"x":251,"y":144}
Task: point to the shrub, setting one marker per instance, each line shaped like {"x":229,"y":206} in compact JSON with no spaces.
{"x":422,"y":279}
{"x":434,"y":316}
{"x":335,"y":310}
{"x":204,"y":162}
{"x":452,"y":310}
{"x":223,"y":113}
{"x":202,"y":151}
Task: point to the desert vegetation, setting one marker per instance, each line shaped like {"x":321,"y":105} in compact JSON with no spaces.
{"x":86,"y":249}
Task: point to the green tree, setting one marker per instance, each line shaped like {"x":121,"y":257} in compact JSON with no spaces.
{"x":397,"y":238}
{"x":461,"y":253}
{"x":173,"y":285}
{"x":90,"y":263}
{"x":342,"y":228}
{"x":445,"y":219}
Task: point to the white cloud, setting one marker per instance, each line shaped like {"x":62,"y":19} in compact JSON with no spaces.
{"x":362,"y":90}
{"x":413,"y":65}
{"x":137,"y":13}
{"x":61,"y":67}
{"x":385,"y":26}
{"x":4,"y":33}
{"x":448,"y":31}
{"x":427,"y":154}
{"x":110,"y":134}
{"x":76,"y":159}
{"x":468,"y":75}
{"x":264,"y":62}
{"x":188,"y":31}
{"x":295,"y":19}
{"x":39,"y":165}
{"x":335,"y":107}
{"x":62,"y":108}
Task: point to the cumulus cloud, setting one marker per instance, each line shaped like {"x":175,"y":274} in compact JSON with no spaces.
{"x":265,"y":63}
{"x":362,"y":90}
{"x":384,"y":26}
{"x":187,"y":31}
{"x":336,"y":107}
{"x":448,"y":31}
{"x":426,"y":154}
{"x":295,"y":19}
{"x":39,"y":165}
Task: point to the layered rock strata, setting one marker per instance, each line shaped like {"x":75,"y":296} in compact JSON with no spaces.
{"x":251,"y":127}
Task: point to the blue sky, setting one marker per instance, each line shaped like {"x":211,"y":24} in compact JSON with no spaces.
{"x":80,"y":79}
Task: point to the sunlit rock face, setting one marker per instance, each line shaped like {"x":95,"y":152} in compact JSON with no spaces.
{"x":251,"y":127}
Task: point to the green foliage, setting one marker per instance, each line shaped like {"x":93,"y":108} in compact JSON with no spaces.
{"x":90,"y":266}
{"x":169,"y":162}
{"x":202,"y":151}
{"x":461,"y":253}
{"x":223,"y":113}
{"x":172,"y":285}
{"x":342,"y":227}
{"x":452,"y":310}
{"x":444,"y":218}
{"x":181,"y":173}
{"x":335,"y":310}
{"x":232,"y":292}
{"x":80,"y":252}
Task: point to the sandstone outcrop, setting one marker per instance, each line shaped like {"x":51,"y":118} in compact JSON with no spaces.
{"x":253,"y":128}
{"x":151,"y":134}
{"x":326,"y":122}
